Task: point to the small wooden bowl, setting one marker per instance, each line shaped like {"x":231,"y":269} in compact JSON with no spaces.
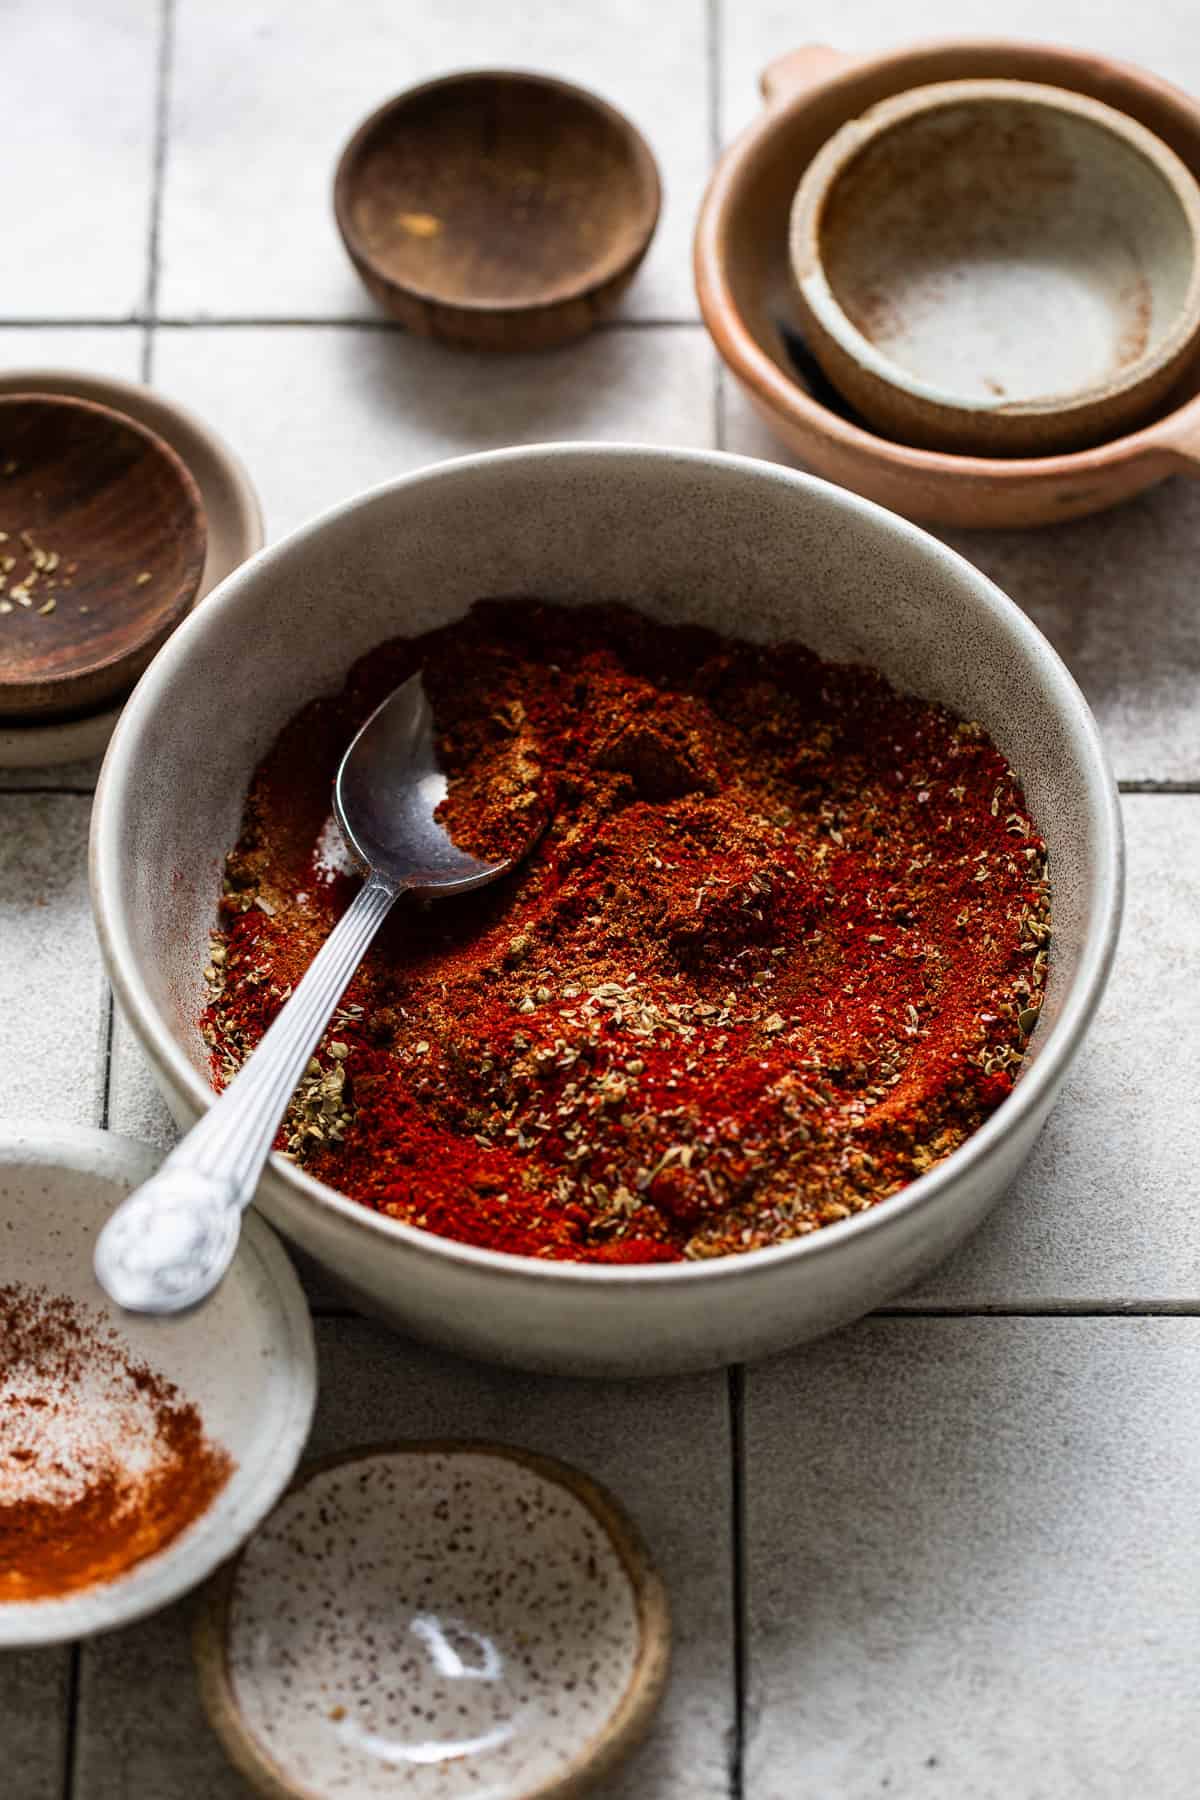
{"x":998,"y":267}
{"x":497,"y":211}
{"x":436,"y":1616}
{"x":747,"y":292}
{"x":103,"y":553}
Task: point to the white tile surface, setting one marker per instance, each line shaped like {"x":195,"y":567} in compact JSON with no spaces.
{"x":95,"y":349}
{"x":142,"y":1732}
{"x":75,"y":177}
{"x":664,"y":1451}
{"x":136,"y":1108}
{"x":1105,"y":1211}
{"x":1114,"y":594}
{"x":33,"y":1685}
{"x":1160,"y":35}
{"x":248,"y":226}
{"x":973,"y":1564}
{"x":319,"y":413}
{"x":52,"y":993}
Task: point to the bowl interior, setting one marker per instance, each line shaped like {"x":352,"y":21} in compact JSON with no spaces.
{"x":1004,"y":249}
{"x":245,"y":1360}
{"x":743,"y":547}
{"x":455,"y":1617}
{"x":105,"y":533}
{"x":757,"y":265}
{"x":497,"y":190}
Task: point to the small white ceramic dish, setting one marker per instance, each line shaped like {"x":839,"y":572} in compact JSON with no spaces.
{"x":231,"y":510}
{"x":998,"y":266}
{"x":452,"y":1620}
{"x":246,"y":1361}
{"x":690,"y":537}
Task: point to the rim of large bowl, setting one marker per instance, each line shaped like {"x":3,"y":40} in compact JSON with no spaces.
{"x":1065,"y":1034}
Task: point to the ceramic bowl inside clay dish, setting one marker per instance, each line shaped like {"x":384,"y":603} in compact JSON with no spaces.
{"x":998,"y":266}
{"x":747,"y":290}
{"x":687,"y":537}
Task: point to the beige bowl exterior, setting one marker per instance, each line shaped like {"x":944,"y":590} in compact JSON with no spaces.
{"x":686,"y":536}
{"x":744,"y":285}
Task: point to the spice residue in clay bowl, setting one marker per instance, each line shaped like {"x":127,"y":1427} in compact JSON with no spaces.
{"x":103,"y":1462}
{"x":438,"y":1621}
{"x":779,"y":949}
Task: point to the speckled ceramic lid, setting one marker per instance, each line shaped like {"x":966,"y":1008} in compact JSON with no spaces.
{"x":437,"y":1620}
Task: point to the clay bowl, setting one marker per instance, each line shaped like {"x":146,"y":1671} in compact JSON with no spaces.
{"x":448,"y":1619}
{"x":106,"y":532}
{"x":747,"y":293}
{"x":998,"y":267}
{"x":497,"y":211}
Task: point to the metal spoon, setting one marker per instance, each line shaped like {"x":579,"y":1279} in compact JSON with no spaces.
{"x":167,"y":1246}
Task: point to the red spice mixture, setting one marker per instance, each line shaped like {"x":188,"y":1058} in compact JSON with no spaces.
{"x":102,"y":1462}
{"x":778,"y":950}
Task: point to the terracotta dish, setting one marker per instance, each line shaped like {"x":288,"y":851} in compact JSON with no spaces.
{"x":747,"y":293}
{"x":497,"y":211}
{"x":998,"y":267}
{"x":102,"y":556}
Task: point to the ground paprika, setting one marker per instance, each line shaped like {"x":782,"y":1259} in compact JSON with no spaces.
{"x":777,"y":950}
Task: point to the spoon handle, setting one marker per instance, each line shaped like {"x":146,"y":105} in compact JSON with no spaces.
{"x":167,"y":1246}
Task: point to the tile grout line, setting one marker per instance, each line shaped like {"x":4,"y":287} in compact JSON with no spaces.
{"x":713,"y":13}
{"x":1146,"y":785}
{"x":736,"y":1396}
{"x":162,"y":103}
{"x":1043,"y":1309}
{"x":292,"y":322}
{"x":8,"y":792}
{"x":70,"y":1732}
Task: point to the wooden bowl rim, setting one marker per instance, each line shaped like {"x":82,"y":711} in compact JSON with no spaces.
{"x":609,"y":264}
{"x":852,"y":139}
{"x":780,"y":395}
{"x":186,"y":594}
{"x":616,"y":1738}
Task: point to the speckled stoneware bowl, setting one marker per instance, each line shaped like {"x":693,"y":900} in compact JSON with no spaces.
{"x":687,"y":536}
{"x":246,"y":1361}
{"x":452,"y":1620}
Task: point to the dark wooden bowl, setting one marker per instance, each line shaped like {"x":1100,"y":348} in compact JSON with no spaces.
{"x":106,"y":534}
{"x":497,"y":211}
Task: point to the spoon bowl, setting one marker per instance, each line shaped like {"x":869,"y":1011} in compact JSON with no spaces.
{"x":168,"y":1246}
{"x":386,"y":798}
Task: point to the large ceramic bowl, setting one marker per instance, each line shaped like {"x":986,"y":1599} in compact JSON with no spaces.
{"x":684,"y":535}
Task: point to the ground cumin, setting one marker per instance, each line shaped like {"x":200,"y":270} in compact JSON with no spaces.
{"x":101,"y":1461}
{"x":779,"y":948}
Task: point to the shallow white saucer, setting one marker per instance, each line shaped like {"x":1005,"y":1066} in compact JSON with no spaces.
{"x":245,"y":1359}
